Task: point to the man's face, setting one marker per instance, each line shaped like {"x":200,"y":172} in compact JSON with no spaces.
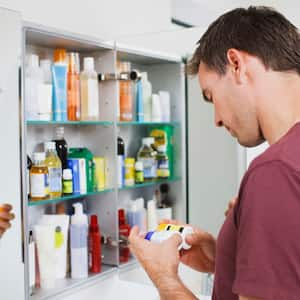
{"x":234,"y":105}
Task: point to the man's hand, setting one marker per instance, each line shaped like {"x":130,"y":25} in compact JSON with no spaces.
{"x":231,"y":205}
{"x":5,"y":217}
{"x":161,"y":262}
{"x":201,"y":257}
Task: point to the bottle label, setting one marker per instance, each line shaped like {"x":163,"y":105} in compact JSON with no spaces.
{"x":55,"y":184}
{"x":149,"y":167}
{"x":67,"y":187}
{"x":163,"y":168}
{"x":93,"y":99}
{"x":139,"y":176}
{"x":38,"y":185}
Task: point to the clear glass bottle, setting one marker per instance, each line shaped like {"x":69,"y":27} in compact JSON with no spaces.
{"x":53,"y":163}
{"x":147,"y":97}
{"x":89,"y":91}
{"x":126,"y":93}
{"x":147,"y":156}
{"x":39,"y":178}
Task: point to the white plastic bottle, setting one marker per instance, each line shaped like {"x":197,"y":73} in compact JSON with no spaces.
{"x":89,"y":91}
{"x":156,"y":109}
{"x":33,"y":82}
{"x":147,"y":97}
{"x":79,"y":243}
{"x":45,"y":91}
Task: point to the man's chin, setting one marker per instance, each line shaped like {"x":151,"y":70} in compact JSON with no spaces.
{"x":250,"y":144}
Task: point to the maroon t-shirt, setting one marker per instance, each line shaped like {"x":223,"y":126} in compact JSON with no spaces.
{"x":258,"y":247}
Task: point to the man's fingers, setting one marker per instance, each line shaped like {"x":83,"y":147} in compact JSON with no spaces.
{"x":6,"y":216}
{"x":5,"y":207}
{"x":4,"y":225}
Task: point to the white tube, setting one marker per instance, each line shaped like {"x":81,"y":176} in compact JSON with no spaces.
{"x":156,"y":108}
{"x":44,"y":236}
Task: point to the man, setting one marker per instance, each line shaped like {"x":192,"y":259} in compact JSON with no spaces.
{"x":248,"y":64}
{"x":5,"y":217}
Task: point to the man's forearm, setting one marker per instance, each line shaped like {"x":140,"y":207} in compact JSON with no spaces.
{"x":174,"y":289}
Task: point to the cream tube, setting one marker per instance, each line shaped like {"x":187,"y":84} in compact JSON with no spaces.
{"x":45,"y":240}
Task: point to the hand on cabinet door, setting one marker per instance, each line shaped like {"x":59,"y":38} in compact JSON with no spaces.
{"x":5,"y":217}
{"x":231,"y":205}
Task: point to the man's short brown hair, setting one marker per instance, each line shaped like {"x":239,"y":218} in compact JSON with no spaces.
{"x":260,"y":31}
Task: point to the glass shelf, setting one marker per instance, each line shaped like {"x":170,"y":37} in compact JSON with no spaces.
{"x":150,"y":183}
{"x":134,"y":123}
{"x":66,"y":285}
{"x":97,"y":123}
{"x":65,"y":198}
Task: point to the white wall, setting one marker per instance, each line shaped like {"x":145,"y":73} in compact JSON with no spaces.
{"x":105,"y":19}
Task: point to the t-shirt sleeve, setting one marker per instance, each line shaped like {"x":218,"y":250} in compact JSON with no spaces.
{"x":268,"y":242}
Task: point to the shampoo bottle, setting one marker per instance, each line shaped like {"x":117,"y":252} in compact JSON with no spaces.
{"x":79,"y":243}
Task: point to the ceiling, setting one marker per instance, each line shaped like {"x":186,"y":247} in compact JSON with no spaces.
{"x":202,"y":12}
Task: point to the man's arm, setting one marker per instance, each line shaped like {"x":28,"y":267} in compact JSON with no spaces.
{"x":174,"y":289}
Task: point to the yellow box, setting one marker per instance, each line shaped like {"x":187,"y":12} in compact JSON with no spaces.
{"x":100,"y":172}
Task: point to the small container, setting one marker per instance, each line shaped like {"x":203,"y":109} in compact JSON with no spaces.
{"x":139,"y":172}
{"x":165,"y":231}
{"x":163,"y":169}
{"x":129,"y":171}
{"x":67,"y":182}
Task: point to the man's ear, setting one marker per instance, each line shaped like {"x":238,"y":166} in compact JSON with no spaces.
{"x":236,"y":64}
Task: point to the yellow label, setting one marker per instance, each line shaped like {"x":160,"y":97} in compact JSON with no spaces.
{"x":58,"y":239}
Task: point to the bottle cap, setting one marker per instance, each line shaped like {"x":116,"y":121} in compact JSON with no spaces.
{"x":49,"y":146}
{"x":147,"y":141}
{"x":45,"y":63}
{"x":88,"y":64}
{"x":67,"y":174}
{"x":139,"y":166}
{"x":162,"y":148}
{"x":59,"y":132}
{"x":33,"y":61}
{"x":39,"y":156}
{"x":79,"y":218}
{"x":149,"y":235}
{"x":129,"y":161}
{"x":60,"y":56}
{"x":124,"y":66}
{"x":144,"y":76}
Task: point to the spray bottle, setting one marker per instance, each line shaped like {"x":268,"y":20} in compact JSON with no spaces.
{"x":79,"y":243}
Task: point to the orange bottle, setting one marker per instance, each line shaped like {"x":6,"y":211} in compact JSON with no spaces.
{"x":73,"y":87}
{"x":126,"y":97}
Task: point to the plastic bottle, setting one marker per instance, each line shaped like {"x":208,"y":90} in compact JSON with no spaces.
{"x":139,"y":102}
{"x":126,"y":101}
{"x":139,"y":172}
{"x":163,"y":170}
{"x":147,"y":156}
{"x":156,"y":109}
{"x":136,"y":214}
{"x":73,"y":87}
{"x":79,"y":243}
{"x":121,"y":157}
{"x":152,"y":221}
{"x":61,"y":147}
{"x":89,"y":91}
{"x":147,"y":97}
{"x":33,"y":82}
{"x":67,"y":182}
{"x":59,"y":78}
{"x":124,"y":231}
{"x":39,"y":178}
{"x":29,"y":165}
{"x":164,"y":231}
{"x":45,"y":92}
{"x":53,"y":163}
{"x":94,"y":246}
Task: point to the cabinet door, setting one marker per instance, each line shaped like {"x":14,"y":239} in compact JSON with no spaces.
{"x":214,"y":160}
{"x":11,"y":259}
